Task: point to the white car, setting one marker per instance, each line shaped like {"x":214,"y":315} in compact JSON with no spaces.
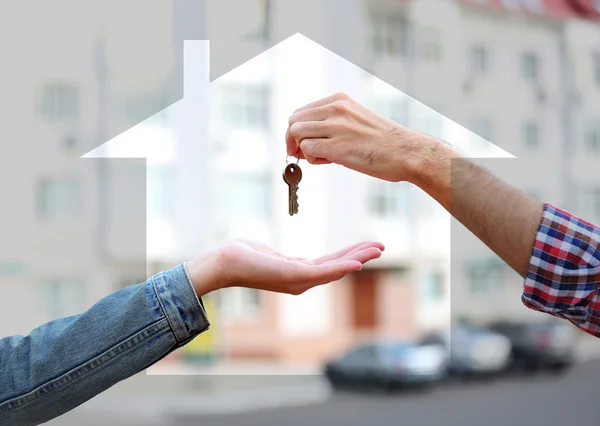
{"x":471,"y":350}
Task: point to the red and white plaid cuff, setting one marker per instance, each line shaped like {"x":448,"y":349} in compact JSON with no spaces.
{"x":564,"y":270}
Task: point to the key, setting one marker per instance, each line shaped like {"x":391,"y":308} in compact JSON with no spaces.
{"x":292,"y":175}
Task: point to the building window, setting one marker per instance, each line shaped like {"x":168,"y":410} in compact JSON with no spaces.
{"x":482,"y":127}
{"x":388,"y":200}
{"x":63,"y":297}
{"x":430,"y":44}
{"x":431,"y":285}
{"x":485,"y":274}
{"x":69,"y":142}
{"x":390,"y":36}
{"x":141,"y":106}
{"x":531,"y":134}
{"x":261,"y":22}
{"x":530,"y":65}
{"x":480,"y":61}
{"x":588,"y":203}
{"x":59,"y":102}
{"x":240,"y":302}
{"x":245,"y":197}
{"x":59,"y":198}
{"x":245,"y":106}
{"x":11,"y":267}
{"x":426,"y":206}
{"x":596,"y":66}
{"x":592,"y":139}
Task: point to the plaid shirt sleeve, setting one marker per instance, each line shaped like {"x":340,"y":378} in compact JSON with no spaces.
{"x":563,"y":279}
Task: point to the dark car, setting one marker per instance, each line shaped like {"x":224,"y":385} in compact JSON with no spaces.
{"x":387,"y":365}
{"x":548,"y":344}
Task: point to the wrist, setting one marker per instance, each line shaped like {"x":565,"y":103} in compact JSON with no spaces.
{"x":430,"y":168}
{"x":206,"y":273}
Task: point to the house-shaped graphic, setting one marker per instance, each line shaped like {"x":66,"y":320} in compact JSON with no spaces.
{"x":227,"y":184}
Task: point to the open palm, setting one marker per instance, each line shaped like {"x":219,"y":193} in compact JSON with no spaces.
{"x":254,"y":265}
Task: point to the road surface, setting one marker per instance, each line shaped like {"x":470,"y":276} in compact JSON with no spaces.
{"x":543,"y":400}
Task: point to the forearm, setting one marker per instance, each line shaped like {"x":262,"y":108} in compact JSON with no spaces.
{"x":502,"y":217}
{"x":556,"y":252}
{"x":61,"y":364}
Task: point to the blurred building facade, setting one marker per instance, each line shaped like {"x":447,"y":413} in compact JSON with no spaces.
{"x":544,"y":54}
{"x":72,"y":231}
{"x":217,"y":174}
{"x":55,"y":261}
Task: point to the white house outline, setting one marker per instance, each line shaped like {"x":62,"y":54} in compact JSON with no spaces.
{"x":135,"y":143}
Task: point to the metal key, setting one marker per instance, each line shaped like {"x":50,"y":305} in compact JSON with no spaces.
{"x":292,"y":175}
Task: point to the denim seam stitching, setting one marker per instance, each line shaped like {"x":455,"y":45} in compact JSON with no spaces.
{"x":164,"y":310}
{"x":83,"y":370}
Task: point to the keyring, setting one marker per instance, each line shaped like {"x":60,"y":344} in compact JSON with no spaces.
{"x":287,"y":162}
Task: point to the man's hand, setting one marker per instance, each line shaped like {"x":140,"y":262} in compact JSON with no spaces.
{"x":338,"y":130}
{"x":253,"y":265}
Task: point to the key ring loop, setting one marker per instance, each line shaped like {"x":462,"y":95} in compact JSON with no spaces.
{"x":297,"y":160}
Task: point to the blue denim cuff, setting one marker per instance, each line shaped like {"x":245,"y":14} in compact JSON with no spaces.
{"x":180,"y":304}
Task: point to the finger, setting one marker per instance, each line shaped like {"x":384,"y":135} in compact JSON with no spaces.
{"x":319,"y":161}
{"x":346,"y":250}
{"x":340,"y":270}
{"x":309,"y":130}
{"x":319,"y":113}
{"x":365,"y":255}
{"x":325,"y":101}
{"x":316,"y":149}
{"x":293,"y":150}
{"x":338,"y":254}
{"x":292,"y":147}
{"x":365,"y":246}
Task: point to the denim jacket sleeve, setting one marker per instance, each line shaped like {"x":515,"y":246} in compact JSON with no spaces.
{"x":66,"y":362}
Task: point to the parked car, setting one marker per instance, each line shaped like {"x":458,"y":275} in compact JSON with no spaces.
{"x":471,"y":350}
{"x":548,"y":344}
{"x":387,"y":365}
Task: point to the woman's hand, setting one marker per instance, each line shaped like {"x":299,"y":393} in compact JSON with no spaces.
{"x":248,"y":264}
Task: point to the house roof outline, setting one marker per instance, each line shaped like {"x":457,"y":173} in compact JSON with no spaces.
{"x":137,"y":141}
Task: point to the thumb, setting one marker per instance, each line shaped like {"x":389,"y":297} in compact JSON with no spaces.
{"x":315,"y":149}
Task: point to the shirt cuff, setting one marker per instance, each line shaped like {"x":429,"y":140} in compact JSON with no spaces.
{"x":564,"y":269}
{"x":182,"y":307}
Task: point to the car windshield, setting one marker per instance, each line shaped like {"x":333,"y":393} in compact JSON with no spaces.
{"x":433,"y":339}
{"x":396,"y":350}
{"x":361,"y":352}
